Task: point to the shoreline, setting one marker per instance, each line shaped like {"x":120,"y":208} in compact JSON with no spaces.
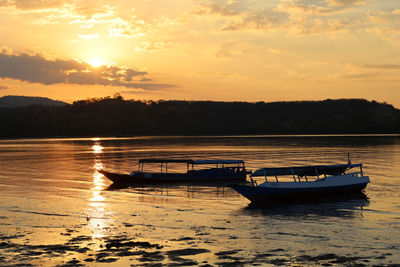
{"x":100,"y":138}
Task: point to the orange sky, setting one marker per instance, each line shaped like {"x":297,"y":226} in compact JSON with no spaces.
{"x":245,"y":50}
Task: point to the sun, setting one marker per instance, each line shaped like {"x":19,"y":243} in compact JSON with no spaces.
{"x":95,"y":62}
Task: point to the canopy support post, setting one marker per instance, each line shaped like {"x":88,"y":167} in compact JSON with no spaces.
{"x":316,"y":172}
{"x":294,"y":177}
{"x":265,"y":175}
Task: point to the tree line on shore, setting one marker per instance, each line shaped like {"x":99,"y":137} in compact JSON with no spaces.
{"x":119,"y":117}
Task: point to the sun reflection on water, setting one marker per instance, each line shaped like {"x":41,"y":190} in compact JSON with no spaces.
{"x":98,"y":187}
{"x":97,"y":149}
{"x":97,"y":215}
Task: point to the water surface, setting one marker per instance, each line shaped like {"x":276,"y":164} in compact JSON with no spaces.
{"x":56,"y":209}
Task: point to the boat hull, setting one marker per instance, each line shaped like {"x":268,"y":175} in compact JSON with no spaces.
{"x":271,"y":192}
{"x":197,"y":176}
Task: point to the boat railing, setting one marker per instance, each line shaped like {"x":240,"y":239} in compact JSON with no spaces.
{"x":355,"y":174}
{"x":233,"y":165}
{"x":304,"y":174}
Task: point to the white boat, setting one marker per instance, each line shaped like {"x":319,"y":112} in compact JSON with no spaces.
{"x":307,"y":182}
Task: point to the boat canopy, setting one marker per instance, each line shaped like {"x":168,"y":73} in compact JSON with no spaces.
{"x":187,"y":161}
{"x":217,"y":161}
{"x":190,"y":161}
{"x":314,"y":170}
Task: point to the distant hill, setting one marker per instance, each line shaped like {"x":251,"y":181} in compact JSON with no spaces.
{"x":119,"y":117}
{"x":12,"y":101}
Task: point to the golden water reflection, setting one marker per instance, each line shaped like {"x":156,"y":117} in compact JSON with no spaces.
{"x":97,"y":149}
{"x":98,"y":186}
{"x":98,"y":216}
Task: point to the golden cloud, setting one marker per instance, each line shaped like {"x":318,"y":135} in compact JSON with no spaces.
{"x":38,"y":69}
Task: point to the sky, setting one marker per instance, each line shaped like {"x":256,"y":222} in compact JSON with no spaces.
{"x":223,"y":50}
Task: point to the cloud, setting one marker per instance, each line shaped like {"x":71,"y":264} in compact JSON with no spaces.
{"x":327,"y":7}
{"x":302,"y":8}
{"x":221,"y":8}
{"x":5,"y":3}
{"x":106,"y":17}
{"x":145,"y":86}
{"x":373,"y":71}
{"x":85,"y":16}
{"x":3,"y":87}
{"x":303,"y":17}
{"x":361,"y":76}
{"x":276,"y":51}
{"x":385,"y":23}
{"x":38,"y":69}
{"x":303,"y":25}
{"x":383,"y":17}
{"x":308,"y":26}
{"x":232,"y":49}
{"x":32,"y":4}
{"x":345,"y":3}
{"x":259,"y":20}
{"x":119,"y":27}
{"x":239,"y":14}
{"x":307,"y":17}
{"x":382,"y":66}
{"x":151,"y":46}
{"x":111,"y":22}
{"x":94,"y":12}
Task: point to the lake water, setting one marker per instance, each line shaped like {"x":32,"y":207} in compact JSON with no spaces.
{"x":55,"y":209}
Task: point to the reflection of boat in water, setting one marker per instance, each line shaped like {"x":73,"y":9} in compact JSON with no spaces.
{"x":335,"y":182}
{"x":167,"y":185}
{"x":342,"y":206}
{"x":164,"y":191}
{"x":221,"y":170}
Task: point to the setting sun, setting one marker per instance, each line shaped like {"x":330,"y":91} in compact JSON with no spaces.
{"x":95,"y":62}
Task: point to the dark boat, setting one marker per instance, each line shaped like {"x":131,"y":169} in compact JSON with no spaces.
{"x":308,"y":182}
{"x":222,"y":170}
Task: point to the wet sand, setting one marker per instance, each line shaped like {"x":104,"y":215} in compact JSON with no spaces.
{"x":140,"y":242}
{"x":81,"y":250}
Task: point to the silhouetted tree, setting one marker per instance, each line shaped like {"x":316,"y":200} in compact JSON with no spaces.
{"x":118,"y":117}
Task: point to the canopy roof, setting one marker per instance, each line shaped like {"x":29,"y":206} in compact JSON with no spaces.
{"x":218,"y":161}
{"x":190,"y":161}
{"x":313,"y":170}
{"x":187,"y":161}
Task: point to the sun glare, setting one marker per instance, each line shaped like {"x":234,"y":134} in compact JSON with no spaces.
{"x":95,"y":62}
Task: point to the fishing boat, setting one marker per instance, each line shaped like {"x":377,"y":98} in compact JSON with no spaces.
{"x":306,"y":182}
{"x":196,"y":171}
